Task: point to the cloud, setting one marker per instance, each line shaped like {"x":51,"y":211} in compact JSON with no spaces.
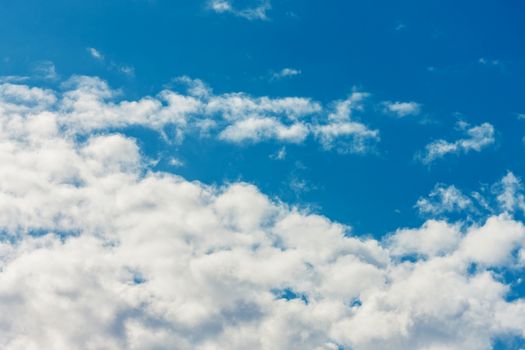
{"x":443,"y":199}
{"x":402,"y":109}
{"x":285,"y":73}
{"x":258,"y":12}
{"x":477,"y":138}
{"x":506,"y":196}
{"x":342,"y":132}
{"x":176,"y":162}
{"x":111,"y":65}
{"x":45,"y":70}
{"x":509,"y":193}
{"x":485,"y":61}
{"x":95,"y":53}
{"x":257,"y":129}
{"x":86,"y":104}
{"x":132,"y":258}
{"x":280,"y":154}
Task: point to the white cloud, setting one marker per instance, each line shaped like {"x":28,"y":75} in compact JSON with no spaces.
{"x":477,"y":138}
{"x":489,"y":62}
{"x":342,"y":132}
{"x":176,"y":162}
{"x":258,"y":129}
{"x":346,"y":136}
{"x":111,"y":65}
{"x":432,"y":239}
{"x":509,"y":193}
{"x":444,"y":199}
{"x":286,"y":73}
{"x":280,"y":154}
{"x":131,"y":258}
{"x":257,"y":12}
{"x":86,"y":104}
{"x":96,"y":54}
{"x":402,"y":109}
{"x":45,"y":70}
{"x":506,"y":196}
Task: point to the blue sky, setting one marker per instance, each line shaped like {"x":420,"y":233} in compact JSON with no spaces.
{"x":459,"y":61}
{"x":377,"y":115}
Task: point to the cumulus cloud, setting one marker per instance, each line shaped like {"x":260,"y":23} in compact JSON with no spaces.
{"x":477,"y":138}
{"x":257,"y":12}
{"x":402,"y":109}
{"x":99,"y":251}
{"x":86,"y":104}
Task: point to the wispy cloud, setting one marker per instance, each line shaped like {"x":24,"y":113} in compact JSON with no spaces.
{"x":285,"y":73}
{"x":45,"y":70}
{"x":257,"y":12}
{"x":110,"y":64}
{"x":489,"y":62}
{"x":95,"y":53}
{"x":443,"y":199}
{"x":280,"y":154}
{"x":477,"y":138}
{"x":505,"y":196}
{"x":401,"y":109}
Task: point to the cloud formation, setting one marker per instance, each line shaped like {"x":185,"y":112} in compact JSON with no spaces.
{"x":402,"y":109}
{"x":477,"y":138}
{"x":99,"y":251}
{"x":504,"y":196}
{"x":285,"y":73}
{"x":257,"y":12}
{"x":87,"y":104}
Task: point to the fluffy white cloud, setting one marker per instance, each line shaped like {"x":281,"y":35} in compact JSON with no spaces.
{"x":99,"y":252}
{"x":402,"y":109}
{"x":434,"y":238}
{"x":87,"y":104}
{"x":257,"y":12}
{"x":477,"y":138}
{"x":256,"y":129}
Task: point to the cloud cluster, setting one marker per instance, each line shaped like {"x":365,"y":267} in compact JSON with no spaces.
{"x":87,"y":104}
{"x":477,"y":138}
{"x":257,"y":12}
{"x":99,"y":252}
{"x":505,"y":196}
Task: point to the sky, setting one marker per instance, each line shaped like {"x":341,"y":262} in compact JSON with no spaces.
{"x":262,"y":174}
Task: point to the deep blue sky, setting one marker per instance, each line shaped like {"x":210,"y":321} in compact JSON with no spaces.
{"x":423,"y":51}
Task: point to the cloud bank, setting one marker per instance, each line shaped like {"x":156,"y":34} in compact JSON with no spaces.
{"x":100,"y":252}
